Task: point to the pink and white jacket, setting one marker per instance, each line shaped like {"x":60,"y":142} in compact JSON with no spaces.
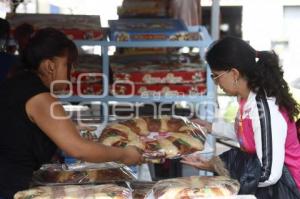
{"x":262,"y":128}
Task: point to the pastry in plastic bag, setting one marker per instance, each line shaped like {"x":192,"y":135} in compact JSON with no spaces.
{"x":162,"y":138}
{"x":107,"y":191}
{"x":82,"y":173}
{"x":195,"y":187}
{"x":141,"y":189}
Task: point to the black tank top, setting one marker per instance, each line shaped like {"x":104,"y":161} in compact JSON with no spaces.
{"x":23,"y":146}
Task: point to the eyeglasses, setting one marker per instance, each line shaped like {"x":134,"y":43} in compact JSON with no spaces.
{"x":215,"y":77}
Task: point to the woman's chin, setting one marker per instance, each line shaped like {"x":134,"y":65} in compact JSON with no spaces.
{"x":227,"y":92}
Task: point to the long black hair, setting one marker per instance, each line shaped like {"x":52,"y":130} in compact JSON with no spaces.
{"x":48,"y":43}
{"x":261,"y":69}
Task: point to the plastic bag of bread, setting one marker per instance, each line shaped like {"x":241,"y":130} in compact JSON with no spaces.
{"x":195,"y":187}
{"x":88,"y":132}
{"x":107,"y":191}
{"x":161,"y":138}
{"x":141,"y":189}
{"x":82,"y":173}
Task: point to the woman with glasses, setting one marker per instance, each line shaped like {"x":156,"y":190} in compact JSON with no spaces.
{"x":265,"y":123}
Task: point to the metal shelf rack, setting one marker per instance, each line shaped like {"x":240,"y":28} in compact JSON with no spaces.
{"x":105,"y":97}
{"x":207,"y":102}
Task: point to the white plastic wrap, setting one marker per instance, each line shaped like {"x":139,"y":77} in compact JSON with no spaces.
{"x":82,"y":173}
{"x":107,"y":191}
{"x":195,"y":187}
{"x":158,"y":138}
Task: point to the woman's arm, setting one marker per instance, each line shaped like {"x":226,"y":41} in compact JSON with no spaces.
{"x":198,"y":162}
{"x":270,"y":130}
{"x":46,"y":112}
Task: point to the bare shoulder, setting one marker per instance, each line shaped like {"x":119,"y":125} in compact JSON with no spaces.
{"x":39,"y":104}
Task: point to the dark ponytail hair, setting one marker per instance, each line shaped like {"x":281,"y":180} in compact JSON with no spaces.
{"x":261,"y":69}
{"x":48,"y":43}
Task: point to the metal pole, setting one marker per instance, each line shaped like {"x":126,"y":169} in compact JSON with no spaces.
{"x":215,"y":19}
{"x":37,"y":6}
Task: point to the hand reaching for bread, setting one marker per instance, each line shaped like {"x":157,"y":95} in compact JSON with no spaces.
{"x":198,"y":162}
{"x":132,"y":156}
{"x":214,"y":164}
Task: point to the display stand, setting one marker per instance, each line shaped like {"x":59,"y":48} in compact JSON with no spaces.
{"x":207,"y":102}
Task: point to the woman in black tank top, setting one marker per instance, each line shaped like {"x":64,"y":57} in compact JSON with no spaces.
{"x":29,"y":131}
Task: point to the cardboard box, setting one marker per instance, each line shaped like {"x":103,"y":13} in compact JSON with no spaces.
{"x":88,"y":69}
{"x":145,"y":8}
{"x":87,"y":89}
{"x":74,"y":26}
{"x":86,"y":77}
{"x":147,"y":29}
{"x":160,"y":89}
{"x":163,"y":76}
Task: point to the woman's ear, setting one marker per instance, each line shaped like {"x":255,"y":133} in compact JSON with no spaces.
{"x":47,"y":66}
{"x":236,"y":74}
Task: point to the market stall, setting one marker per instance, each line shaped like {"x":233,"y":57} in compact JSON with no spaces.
{"x":149,"y":66}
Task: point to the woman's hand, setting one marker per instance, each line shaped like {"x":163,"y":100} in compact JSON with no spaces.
{"x":204,"y":124}
{"x":132,"y":156}
{"x":198,"y":162}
